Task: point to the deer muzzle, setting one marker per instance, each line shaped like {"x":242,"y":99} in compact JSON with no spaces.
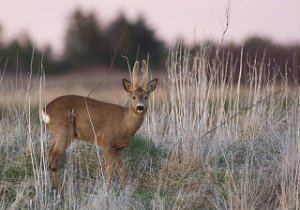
{"x":140,"y":108}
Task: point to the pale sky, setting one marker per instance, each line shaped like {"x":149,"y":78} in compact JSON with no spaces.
{"x":45,"y":21}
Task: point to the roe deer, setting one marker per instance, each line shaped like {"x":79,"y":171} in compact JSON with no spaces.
{"x":109,"y":125}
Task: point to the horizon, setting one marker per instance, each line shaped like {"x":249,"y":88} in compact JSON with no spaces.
{"x":192,"y":20}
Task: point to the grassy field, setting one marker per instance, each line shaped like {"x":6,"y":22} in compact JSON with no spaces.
{"x":206,"y":143}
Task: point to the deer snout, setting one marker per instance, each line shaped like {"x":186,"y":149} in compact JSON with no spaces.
{"x":140,"y":108}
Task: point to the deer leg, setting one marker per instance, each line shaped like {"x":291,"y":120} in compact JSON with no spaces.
{"x":53,"y":158}
{"x":60,"y":143}
{"x":109,"y":158}
{"x":120,"y":162}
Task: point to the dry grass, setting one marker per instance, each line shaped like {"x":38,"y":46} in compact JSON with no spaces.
{"x":205,"y":144}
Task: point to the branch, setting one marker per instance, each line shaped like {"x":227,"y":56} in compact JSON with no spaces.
{"x":241,"y":112}
{"x":227,"y":16}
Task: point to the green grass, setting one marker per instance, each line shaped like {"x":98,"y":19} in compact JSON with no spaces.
{"x":141,"y":147}
{"x":146,"y":195}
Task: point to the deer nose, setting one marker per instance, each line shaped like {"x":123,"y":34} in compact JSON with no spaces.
{"x":140,"y":107}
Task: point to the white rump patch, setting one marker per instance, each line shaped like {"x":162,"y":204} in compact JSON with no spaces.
{"x":45,"y":117}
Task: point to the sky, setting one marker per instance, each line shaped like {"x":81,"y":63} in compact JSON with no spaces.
{"x":191,"y":20}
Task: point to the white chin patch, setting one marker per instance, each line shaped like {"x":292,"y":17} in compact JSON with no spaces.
{"x":140,"y":111}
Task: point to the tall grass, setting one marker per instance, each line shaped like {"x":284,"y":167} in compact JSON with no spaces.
{"x":210,"y":142}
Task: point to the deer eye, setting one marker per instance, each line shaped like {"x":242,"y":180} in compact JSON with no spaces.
{"x":133,"y":97}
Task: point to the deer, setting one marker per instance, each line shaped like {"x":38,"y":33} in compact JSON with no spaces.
{"x":109,"y":125}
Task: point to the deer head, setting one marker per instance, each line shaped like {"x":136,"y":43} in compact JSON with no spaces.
{"x":139,"y":89}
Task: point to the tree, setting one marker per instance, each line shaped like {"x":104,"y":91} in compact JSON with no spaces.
{"x":85,"y":43}
{"x":134,"y":40}
{"x":256,"y":44}
{"x":147,"y":41}
{"x":23,"y":56}
{"x":1,"y":35}
{"x":121,"y":39}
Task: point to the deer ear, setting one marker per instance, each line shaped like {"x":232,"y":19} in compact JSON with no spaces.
{"x":127,"y":85}
{"x":152,"y":85}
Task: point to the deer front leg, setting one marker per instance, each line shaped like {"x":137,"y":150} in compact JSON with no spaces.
{"x":120,"y":162}
{"x":109,"y":158}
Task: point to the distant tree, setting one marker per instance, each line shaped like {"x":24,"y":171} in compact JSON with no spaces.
{"x":121,"y":38}
{"x":19,"y":54}
{"x":85,"y":42}
{"x":134,"y":40}
{"x":256,"y":44}
{"x":147,"y":41}
{"x":1,"y":36}
{"x":22,"y":56}
{"x":51,"y":65}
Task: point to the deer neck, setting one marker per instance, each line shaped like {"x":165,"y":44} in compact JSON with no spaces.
{"x":133,"y":120}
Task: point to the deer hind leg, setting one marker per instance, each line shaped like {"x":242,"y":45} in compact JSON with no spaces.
{"x":61,"y":140}
{"x":63,"y":134}
{"x":54,"y":156}
{"x":60,"y":144}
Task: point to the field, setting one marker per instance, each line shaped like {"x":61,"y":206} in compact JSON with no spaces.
{"x":206,"y":143}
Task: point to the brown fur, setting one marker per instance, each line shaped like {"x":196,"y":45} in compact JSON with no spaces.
{"x":110,"y":126}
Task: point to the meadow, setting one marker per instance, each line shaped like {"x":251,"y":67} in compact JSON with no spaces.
{"x":207,"y":142}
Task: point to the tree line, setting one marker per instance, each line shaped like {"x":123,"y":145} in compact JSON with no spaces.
{"x":88,"y":42}
{"x":256,"y":55}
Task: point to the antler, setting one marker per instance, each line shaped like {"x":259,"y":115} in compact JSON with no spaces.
{"x":135,"y":75}
{"x":144,"y":80}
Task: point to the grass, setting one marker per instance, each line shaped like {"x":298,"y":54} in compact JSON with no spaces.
{"x":205,"y":144}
